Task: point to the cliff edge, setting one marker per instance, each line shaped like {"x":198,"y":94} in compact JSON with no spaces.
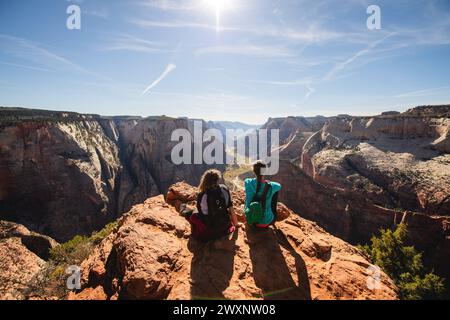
{"x":151,"y":256}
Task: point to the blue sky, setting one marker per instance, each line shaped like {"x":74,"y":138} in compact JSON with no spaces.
{"x":260,"y":59}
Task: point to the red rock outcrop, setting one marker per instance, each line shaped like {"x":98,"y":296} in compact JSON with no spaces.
{"x":22,"y":256}
{"x":151,"y":256}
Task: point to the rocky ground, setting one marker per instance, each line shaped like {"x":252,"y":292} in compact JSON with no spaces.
{"x":23,"y":254}
{"x":151,"y":256}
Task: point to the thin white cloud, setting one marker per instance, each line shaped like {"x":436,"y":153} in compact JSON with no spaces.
{"x":423,"y":93}
{"x":125,"y":42}
{"x":97,"y":13}
{"x":19,"y":65}
{"x":283,"y":83}
{"x":312,"y":35}
{"x":170,"y":67}
{"x":436,"y":33}
{"x":309,"y":91}
{"x":249,"y":50}
{"x":306,"y":83}
{"x":31,"y":51}
{"x":177,"y":25}
{"x":342,"y":65}
{"x":184,"y":5}
{"x":171,"y":5}
{"x":217,"y":69}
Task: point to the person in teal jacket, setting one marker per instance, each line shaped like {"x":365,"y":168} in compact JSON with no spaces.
{"x":271,"y":189}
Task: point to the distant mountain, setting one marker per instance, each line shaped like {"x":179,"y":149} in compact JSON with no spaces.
{"x":290,"y":125}
{"x":222,"y":126}
{"x":236,"y":125}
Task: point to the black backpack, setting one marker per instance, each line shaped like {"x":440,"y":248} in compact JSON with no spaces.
{"x":217,"y":208}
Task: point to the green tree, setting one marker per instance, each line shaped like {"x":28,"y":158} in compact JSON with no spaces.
{"x":404,"y":265}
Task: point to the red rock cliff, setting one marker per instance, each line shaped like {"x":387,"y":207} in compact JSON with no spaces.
{"x":151,"y":256}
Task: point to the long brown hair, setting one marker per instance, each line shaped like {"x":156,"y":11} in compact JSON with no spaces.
{"x":257,"y":169}
{"x":209,"y":180}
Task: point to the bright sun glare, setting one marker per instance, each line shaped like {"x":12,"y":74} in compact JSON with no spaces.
{"x":218,"y":6}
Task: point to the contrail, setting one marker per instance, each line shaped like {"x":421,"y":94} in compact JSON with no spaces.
{"x":341,"y":66}
{"x":170,"y":67}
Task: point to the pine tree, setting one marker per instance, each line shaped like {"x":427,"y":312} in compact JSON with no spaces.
{"x":404,"y":265}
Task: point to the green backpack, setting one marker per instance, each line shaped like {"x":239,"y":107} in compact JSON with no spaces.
{"x":257,"y":208}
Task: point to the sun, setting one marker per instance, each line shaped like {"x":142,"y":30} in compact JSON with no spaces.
{"x":218,"y":7}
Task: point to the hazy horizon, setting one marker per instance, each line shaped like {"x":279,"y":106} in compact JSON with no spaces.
{"x":225,"y":60}
{"x":207,"y":119}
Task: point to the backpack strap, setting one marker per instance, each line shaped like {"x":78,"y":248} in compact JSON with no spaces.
{"x":258,"y":186}
{"x":199,"y":207}
{"x":264,"y":195}
{"x":227,"y":195}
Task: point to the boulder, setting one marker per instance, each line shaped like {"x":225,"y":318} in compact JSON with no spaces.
{"x":151,"y":256}
{"x":18,"y":266}
{"x":39,"y":244}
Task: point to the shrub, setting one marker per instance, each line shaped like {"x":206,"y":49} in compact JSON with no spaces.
{"x":77,"y":249}
{"x":71,"y":251}
{"x":51,"y":280}
{"x":404,"y":265}
{"x":97,"y":237}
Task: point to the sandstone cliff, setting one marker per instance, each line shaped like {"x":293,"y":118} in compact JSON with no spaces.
{"x":289,"y":125}
{"x":395,"y":161}
{"x":151,"y":256}
{"x":64,"y":174}
{"x":145,"y":150}
{"x":58,"y":177}
{"x":359,"y":174}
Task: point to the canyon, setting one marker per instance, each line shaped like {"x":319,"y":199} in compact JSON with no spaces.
{"x":359,"y":174}
{"x":63,"y":174}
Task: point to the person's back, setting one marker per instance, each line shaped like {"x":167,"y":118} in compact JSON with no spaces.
{"x":261,"y":197}
{"x":215,"y":215}
{"x":213,"y":204}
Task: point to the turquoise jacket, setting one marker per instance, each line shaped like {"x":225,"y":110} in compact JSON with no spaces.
{"x":250,"y":190}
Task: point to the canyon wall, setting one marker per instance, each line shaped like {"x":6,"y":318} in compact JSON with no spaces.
{"x":359,"y":174}
{"x":63,"y":174}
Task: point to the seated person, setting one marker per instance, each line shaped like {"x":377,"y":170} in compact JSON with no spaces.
{"x":261,"y":197}
{"x":215,"y":216}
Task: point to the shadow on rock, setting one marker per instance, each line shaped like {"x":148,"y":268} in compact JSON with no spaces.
{"x":212,"y":267}
{"x":271,"y":270}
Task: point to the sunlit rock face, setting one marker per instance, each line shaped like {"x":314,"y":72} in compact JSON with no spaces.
{"x":359,"y":174}
{"x":58,"y":177}
{"x":64,"y":174}
{"x":152,"y":256}
{"x":23,"y":254}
